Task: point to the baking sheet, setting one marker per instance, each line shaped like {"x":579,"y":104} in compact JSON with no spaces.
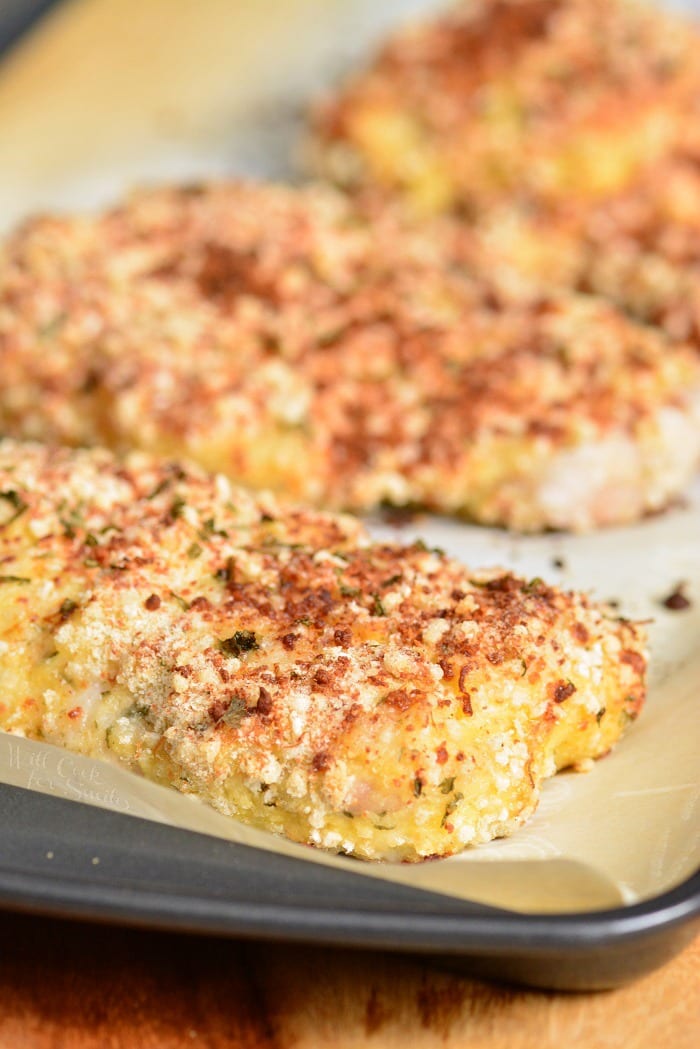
{"x":222,"y":94}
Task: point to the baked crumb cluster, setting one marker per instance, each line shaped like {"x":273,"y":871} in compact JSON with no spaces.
{"x":641,"y":248}
{"x":638,"y":248}
{"x":342,"y":356}
{"x":565,"y":134}
{"x":380,"y":700}
{"x":496,"y":99}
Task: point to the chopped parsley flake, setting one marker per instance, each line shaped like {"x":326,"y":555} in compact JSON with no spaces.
{"x":242,"y":641}
{"x":450,"y":808}
{"x":16,"y":502}
{"x":184,"y":605}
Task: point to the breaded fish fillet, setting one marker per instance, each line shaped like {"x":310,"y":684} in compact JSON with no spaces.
{"x":282,"y":337}
{"x":380,"y":700}
{"x":640,"y":248}
{"x":544,"y":99}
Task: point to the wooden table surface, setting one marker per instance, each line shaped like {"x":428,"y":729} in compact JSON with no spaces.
{"x":97,"y":987}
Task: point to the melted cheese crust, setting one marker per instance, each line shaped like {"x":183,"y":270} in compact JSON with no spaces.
{"x":343,"y":358}
{"x":380,"y":700}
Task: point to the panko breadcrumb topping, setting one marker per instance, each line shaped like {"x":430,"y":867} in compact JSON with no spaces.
{"x":564,"y":133}
{"x":342,"y":357}
{"x":378,"y":700}
{"x":541,"y":99}
{"x":639,"y":248}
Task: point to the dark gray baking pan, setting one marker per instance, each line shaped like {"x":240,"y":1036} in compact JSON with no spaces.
{"x":16,"y":16}
{"x":153,"y":875}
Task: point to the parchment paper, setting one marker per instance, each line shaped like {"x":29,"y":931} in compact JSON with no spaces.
{"x":221,"y":94}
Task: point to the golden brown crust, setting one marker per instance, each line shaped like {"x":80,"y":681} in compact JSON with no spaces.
{"x":543,"y":98}
{"x":378,"y":699}
{"x":639,"y":248}
{"x":294,"y":342}
{"x":566,"y":131}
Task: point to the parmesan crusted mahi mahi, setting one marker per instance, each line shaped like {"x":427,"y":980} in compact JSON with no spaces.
{"x":640,"y":247}
{"x":543,"y":99}
{"x":279,"y":336}
{"x":379,"y":700}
